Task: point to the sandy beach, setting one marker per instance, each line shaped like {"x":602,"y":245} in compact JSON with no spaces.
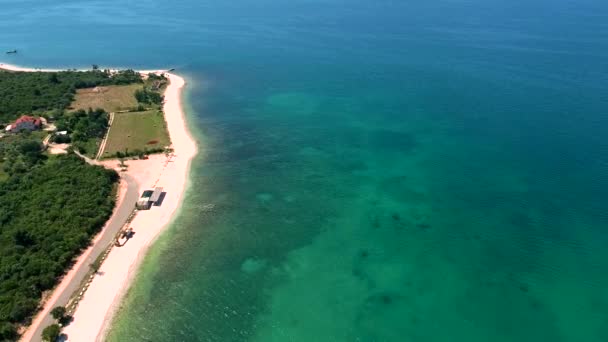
{"x":103,"y":295}
{"x":12,"y":67}
{"x":99,"y":302}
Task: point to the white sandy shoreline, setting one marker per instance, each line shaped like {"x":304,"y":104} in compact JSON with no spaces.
{"x":96,"y":308}
{"x":95,"y":311}
{"x":12,"y":67}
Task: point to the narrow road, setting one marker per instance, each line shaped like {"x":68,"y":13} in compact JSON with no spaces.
{"x":115,"y":223}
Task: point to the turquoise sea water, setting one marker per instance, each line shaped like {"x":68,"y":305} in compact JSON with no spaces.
{"x":370,"y":170}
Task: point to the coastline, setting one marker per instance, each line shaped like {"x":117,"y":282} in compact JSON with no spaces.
{"x":12,"y":67}
{"x":97,"y":306}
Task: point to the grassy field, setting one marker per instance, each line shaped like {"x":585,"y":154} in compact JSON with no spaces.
{"x":136,"y":131}
{"x":110,"y":98}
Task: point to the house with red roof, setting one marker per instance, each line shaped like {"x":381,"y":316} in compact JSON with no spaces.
{"x":26,"y":122}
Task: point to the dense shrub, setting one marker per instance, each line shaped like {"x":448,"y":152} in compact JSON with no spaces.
{"x":47,"y":216}
{"x":138,"y":153}
{"x":51,"y":333}
{"x":147,"y":96}
{"x":19,"y":153}
{"x":61,"y":139}
{"x":84,"y":125}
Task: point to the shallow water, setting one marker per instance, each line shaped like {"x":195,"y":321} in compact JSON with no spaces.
{"x":371,"y":171}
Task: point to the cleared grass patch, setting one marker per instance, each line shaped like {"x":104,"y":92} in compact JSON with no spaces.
{"x":133,"y":131}
{"x":110,"y":98}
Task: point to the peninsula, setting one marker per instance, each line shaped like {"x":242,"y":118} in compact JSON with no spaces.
{"x":91,"y":290}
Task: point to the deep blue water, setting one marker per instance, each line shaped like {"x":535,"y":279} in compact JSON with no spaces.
{"x":371,"y":170}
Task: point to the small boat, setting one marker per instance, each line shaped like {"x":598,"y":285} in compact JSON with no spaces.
{"x":11,"y":52}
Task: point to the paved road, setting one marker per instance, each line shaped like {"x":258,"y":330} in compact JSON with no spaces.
{"x":116,"y":222}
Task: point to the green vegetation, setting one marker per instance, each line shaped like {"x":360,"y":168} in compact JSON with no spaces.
{"x":140,"y":136}
{"x":116,"y":98}
{"x":122,"y":77}
{"x":61,"y":315}
{"x":150,"y":93}
{"x":51,"y":333}
{"x":58,"y":312}
{"x":85,"y":128}
{"x":47,"y":215}
{"x":13,"y":152}
{"x":20,"y":152}
{"x":148,"y":97}
{"x":152,"y":77}
{"x":42,"y":92}
{"x":51,"y":206}
{"x":110,"y":98}
{"x":61,"y":138}
{"x":7,"y":332}
{"x":136,"y":133}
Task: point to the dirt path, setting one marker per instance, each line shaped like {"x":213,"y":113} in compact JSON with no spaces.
{"x":102,"y":145}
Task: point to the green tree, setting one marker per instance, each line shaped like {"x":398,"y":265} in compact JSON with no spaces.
{"x":58,"y":312}
{"x":23,"y":238}
{"x":51,"y":333}
{"x":7,"y":332}
{"x":53,"y":78}
{"x":23,"y":307}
